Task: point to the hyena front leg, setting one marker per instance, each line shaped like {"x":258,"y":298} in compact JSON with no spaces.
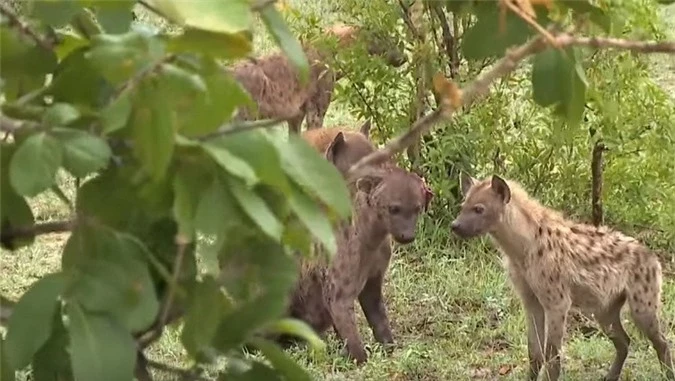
{"x":372,"y":303}
{"x":556,"y":308}
{"x":535,"y":320}
{"x":341,"y":294}
{"x":295,"y":124}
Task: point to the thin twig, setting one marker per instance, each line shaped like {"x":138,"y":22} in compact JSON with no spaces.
{"x":11,"y":125}
{"x":186,"y":374}
{"x":241,"y":126}
{"x":25,"y":29}
{"x":177,"y":269}
{"x":617,"y":43}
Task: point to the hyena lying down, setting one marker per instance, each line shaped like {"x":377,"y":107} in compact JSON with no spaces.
{"x":556,"y":264}
{"x":273,"y":83}
{"x":385,"y":204}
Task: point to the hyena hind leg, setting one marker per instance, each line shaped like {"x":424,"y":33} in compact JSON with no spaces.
{"x":610,"y":321}
{"x":644,"y":305}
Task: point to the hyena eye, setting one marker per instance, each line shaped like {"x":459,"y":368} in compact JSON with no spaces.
{"x":394,"y":209}
{"x":479,"y":209}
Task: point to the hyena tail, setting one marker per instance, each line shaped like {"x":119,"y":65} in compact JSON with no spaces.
{"x":644,"y":299}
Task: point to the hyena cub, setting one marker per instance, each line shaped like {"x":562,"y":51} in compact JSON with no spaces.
{"x":386,"y":203}
{"x":556,"y":264}
{"x":273,"y":83}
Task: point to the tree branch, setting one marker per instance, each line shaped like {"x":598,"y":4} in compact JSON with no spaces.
{"x":10,"y":233}
{"x":24,"y":29}
{"x":11,"y":125}
{"x":481,"y":86}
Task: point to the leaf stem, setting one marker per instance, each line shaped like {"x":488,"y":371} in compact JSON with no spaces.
{"x":240,"y":126}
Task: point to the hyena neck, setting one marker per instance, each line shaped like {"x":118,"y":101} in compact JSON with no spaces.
{"x":515,"y":233}
{"x":368,"y":228}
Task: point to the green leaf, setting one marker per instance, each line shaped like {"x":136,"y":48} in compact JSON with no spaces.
{"x":52,"y":361}
{"x":240,"y":323}
{"x":116,"y":114}
{"x":254,"y":148}
{"x":34,"y":164}
{"x":109,"y":274}
{"x":216,"y":45}
{"x":226,"y":17}
{"x":69,"y":41}
{"x":558,"y":79}
{"x":23,"y":64}
{"x":6,"y":370}
{"x":56,"y":13}
{"x":286,"y":40}
{"x":60,"y":114}
{"x":14,"y":210}
{"x":153,"y":128}
{"x":313,"y":218}
{"x":100,"y":348}
{"x":484,"y":39}
{"x":225,"y":94}
{"x":83,"y":153}
{"x":312,"y":171}
{"x":207,"y":307}
{"x":298,"y":328}
{"x":546,"y":68}
{"x":118,"y":57}
{"x":30,"y":325}
{"x":188,"y":185}
{"x":76,"y":81}
{"x":231,"y":163}
{"x":281,"y":361}
{"x":256,"y":208}
{"x":114,"y":15}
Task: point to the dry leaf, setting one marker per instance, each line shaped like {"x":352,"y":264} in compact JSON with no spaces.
{"x":505,"y":369}
{"x":282,"y":5}
{"x":481,"y":373}
{"x":451,"y":95}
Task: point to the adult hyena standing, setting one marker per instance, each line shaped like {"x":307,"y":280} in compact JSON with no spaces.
{"x":556,"y":264}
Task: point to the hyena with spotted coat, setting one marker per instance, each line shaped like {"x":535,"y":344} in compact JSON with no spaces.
{"x":273,"y":82}
{"x":556,"y":264}
{"x":386,"y":204}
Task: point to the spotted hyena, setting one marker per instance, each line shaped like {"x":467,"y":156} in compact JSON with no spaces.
{"x":386,"y":203}
{"x":273,"y":83}
{"x":556,"y":264}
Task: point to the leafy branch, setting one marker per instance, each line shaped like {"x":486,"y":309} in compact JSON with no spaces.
{"x":481,"y":86}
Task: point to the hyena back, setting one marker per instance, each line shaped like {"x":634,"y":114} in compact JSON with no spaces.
{"x":386,"y":204}
{"x":274,"y":85}
{"x":556,"y":264}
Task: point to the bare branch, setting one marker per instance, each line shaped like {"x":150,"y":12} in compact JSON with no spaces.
{"x":617,"y":43}
{"x":10,"y":233}
{"x":24,"y":29}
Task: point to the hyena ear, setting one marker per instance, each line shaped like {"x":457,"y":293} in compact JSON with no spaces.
{"x":335,"y":147}
{"x":368,"y":183}
{"x":365,"y":128}
{"x":502,"y":188}
{"x":466,"y":182}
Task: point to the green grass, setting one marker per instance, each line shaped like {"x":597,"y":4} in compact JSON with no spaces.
{"x":453,"y":313}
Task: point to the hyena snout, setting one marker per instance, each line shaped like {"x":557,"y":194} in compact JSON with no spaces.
{"x":459,"y":229}
{"x":404,"y":237}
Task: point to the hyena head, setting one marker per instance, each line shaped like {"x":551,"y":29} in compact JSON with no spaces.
{"x":483,"y":206}
{"x":348,"y":147}
{"x":397,"y":197}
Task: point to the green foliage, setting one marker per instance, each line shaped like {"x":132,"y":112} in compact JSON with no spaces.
{"x":142,"y":118}
{"x":136,"y":115}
